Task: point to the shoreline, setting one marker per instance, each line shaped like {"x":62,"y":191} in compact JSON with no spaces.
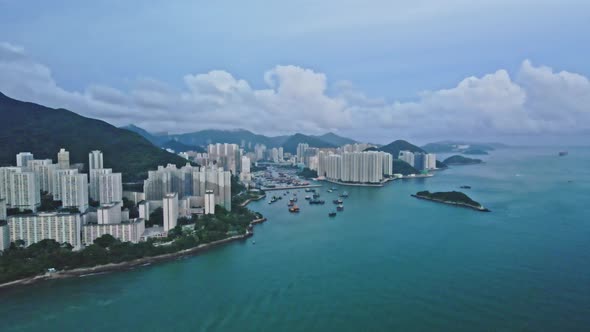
{"x":249,"y":200}
{"x":458,"y":204}
{"x":130,"y":265}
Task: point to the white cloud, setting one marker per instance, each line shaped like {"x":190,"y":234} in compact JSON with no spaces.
{"x":296,"y":99}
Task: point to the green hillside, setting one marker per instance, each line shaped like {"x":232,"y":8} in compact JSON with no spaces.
{"x":43,"y":131}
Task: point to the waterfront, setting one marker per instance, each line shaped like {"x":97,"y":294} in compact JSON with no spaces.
{"x":387,"y":262}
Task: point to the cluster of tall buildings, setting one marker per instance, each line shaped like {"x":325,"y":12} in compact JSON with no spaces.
{"x":21,"y":188}
{"x":371,"y":167}
{"x":189,"y":181}
{"x":419,"y":160}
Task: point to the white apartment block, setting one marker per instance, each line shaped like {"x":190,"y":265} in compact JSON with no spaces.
{"x":209,"y":202}
{"x":43,"y":169}
{"x":94,"y":186}
{"x":58,"y":176}
{"x":4,"y":235}
{"x":25,"y":193}
{"x":63,"y":159}
{"x":74,"y":191}
{"x":33,"y":228}
{"x":23,"y":158}
{"x":95,"y":160}
{"x":110,"y":188}
{"x":109,"y":214}
{"x":130,"y":231}
{"x":170,"y":207}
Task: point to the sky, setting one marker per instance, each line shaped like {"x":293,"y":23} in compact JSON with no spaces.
{"x":510,"y":71}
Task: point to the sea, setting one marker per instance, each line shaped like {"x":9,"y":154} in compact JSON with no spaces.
{"x":388,"y":262}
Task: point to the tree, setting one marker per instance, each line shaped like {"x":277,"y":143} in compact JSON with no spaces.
{"x":105,"y":241}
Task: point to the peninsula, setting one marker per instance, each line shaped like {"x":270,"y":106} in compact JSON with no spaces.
{"x":456,"y":198}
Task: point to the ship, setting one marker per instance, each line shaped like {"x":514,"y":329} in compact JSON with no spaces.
{"x":340,"y":207}
{"x":562,"y":153}
{"x":332,"y":214}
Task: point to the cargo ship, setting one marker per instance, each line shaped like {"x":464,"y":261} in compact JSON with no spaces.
{"x":562,"y":153}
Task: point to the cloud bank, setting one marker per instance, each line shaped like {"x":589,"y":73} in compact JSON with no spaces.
{"x":536,"y":100}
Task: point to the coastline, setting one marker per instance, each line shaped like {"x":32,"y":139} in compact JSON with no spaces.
{"x":129,"y":265}
{"x":459,"y":204}
{"x":249,"y":200}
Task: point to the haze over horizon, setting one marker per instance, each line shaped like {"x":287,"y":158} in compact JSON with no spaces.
{"x":376,"y":71}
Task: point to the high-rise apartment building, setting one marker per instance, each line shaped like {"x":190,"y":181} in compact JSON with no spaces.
{"x":74,"y":191}
{"x":63,"y":159}
{"x":32,"y":228}
{"x":170,"y":207}
{"x":22,"y":159}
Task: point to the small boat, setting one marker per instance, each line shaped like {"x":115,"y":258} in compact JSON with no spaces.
{"x":334,"y":188}
{"x":340,"y":207}
{"x":253,"y":242}
{"x":294,"y":209}
{"x":465,"y":187}
{"x":308,"y":197}
{"x":291,"y":204}
{"x":344,"y":194}
{"x":317,"y":201}
{"x":332,"y":214}
{"x":562,"y":153}
{"x":337,"y":201}
{"x":330,"y":190}
{"x":316,"y":195}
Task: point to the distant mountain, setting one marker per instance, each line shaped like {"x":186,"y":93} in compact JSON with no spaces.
{"x":178,"y":147}
{"x":290,"y":145}
{"x":400,"y":145}
{"x":335,"y":139}
{"x":156,"y":140}
{"x":238,"y":136}
{"x":43,"y":131}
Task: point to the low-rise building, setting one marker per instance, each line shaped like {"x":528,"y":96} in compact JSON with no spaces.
{"x":130,"y":231}
{"x":32,"y":228}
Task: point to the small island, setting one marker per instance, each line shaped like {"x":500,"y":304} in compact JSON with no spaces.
{"x":460,"y":160}
{"x":476,"y":152}
{"x":456,"y":198}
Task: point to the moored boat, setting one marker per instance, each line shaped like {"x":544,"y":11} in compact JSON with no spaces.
{"x":340,"y":207}
{"x":332,"y":214}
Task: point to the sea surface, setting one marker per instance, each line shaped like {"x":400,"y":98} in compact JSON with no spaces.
{"x":388,"y":262}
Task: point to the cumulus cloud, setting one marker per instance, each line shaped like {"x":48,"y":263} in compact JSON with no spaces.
{"x":536,"y":101}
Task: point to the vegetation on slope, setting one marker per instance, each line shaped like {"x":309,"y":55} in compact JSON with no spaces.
{"x":43,"y":131}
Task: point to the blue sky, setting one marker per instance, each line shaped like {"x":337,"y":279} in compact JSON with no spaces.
{"x":387,"y":51}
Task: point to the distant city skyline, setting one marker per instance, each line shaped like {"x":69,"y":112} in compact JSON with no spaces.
{"x":422,"y":71}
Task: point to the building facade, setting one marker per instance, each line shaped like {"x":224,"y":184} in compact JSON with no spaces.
{"x":61,"y":227}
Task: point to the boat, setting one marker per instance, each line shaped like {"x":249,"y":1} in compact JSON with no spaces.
{"x":337,"y":201}
{"x":340,"y":207}
{"x":562,"y":153}
{"x":332,"y":214}
{"x":307,"y":190}
{"x":291,"y":204}
{"x":334,"y":188}
{"x":330,"y":190}
{"x":253,"y":242}
{"x":344,"y":194}
{"x":465,"y":187}
{"x":294,"y":209}
{"x":316,"y":195}
{"x":317,"y":201}
{"x":308,"y":197}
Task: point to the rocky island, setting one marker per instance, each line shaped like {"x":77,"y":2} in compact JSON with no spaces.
{"x":456,"y":198}
{"x":460,"y":160}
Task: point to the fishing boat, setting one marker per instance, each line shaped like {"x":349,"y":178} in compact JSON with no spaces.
{"x":337,"y":201}
{"x":291,"y":204}
{"x":294,"y":209}
{"x":308,"y":197}
{"x":340,"y":207}
{"x":317,"y":201}
{"x":344,"y":194}
{"x":332,"y":214}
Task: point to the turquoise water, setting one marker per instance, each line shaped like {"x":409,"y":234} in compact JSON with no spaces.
{"x":388,"y":262}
